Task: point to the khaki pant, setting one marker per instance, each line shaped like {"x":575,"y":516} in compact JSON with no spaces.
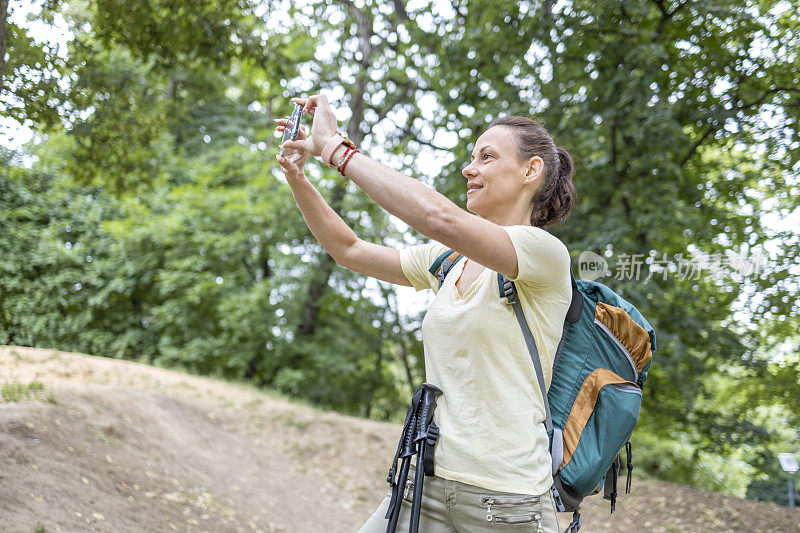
{"x":454,"y":507}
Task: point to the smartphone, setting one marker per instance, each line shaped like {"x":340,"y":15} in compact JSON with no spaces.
{"x":292,"y":127}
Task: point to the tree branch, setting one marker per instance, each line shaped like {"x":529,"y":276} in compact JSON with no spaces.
{"x":680,"y":6}
{"x":614,"y":151}
{"x":760,"y":100}
{"x":400,"y":10}
{"x":390,"y":295}
{"x":697,"y":144}
{"x":389,"y":105}
{"x":414,"y":137}
{"x":661,"y":7}
{"x":624,"y":12}
{"x":357,"y":95}
{"x":716,"y":126}
{"x":364,"y":31}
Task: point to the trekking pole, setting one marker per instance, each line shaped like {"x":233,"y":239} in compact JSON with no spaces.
{"x":426,"y":435}
{"x":405,"y":451}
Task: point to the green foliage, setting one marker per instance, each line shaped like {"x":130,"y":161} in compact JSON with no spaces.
{"x":662,"y":104}
{"x":19,"y":392}
{"x":153,"y":224}
{"x":123,"y":143}
{"x":29,"y":82}
{"x":172,"y":31}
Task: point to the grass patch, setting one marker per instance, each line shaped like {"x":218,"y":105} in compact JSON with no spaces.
{"x":105,"y":435}
{"x":20,"y":392}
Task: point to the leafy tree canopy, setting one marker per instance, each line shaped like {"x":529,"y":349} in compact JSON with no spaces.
{"x":154,"y":224}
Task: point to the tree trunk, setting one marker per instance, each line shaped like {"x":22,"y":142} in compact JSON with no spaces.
{"x":252,"y":366}
{"x":266,"y":272}
{"x":374,"y":385}
{"x":3,"y":18}
{"x":403,"y":345}
{"x":318,"y":285}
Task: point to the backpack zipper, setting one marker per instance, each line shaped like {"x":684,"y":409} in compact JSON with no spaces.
{"x":624,"y":387}
{"x":621,"y":347}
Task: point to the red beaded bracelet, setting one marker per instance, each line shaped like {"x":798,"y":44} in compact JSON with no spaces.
{"x":342,"y":157}
{"x":349,"y":155}
{"x":338,"y":165}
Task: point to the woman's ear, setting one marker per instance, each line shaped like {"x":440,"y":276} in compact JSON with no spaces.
{"x":535,"y":168}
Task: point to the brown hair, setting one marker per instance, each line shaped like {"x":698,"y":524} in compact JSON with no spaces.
{"x":556,"y":195}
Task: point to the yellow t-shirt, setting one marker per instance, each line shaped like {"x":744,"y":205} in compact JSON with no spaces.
{"x":490,"y":415}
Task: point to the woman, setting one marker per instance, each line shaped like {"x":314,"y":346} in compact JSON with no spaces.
{"x":492,"y":464}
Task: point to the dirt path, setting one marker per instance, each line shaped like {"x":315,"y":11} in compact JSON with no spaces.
{"x":123,"y":446}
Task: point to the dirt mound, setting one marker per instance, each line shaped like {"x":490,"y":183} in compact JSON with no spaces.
{"x":112,"y":445}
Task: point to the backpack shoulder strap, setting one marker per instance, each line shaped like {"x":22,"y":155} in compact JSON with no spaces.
{"x":443,"y":264}
{"x":576,"y":306}
{"x":509,"y":290}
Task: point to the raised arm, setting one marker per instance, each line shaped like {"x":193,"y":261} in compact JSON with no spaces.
{"x":346,"y":248}
{"x":427,"y":211}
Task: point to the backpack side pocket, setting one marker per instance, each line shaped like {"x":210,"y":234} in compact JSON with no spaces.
{"x":600,"y":423}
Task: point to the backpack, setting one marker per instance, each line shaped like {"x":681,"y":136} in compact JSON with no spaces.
{"x":593,"y":403}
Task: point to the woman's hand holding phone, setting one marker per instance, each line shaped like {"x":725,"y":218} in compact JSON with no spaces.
{"x":322,"y":128}
{"x":293,"y":161}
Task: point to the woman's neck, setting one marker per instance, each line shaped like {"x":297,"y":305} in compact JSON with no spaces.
{"x":509,"y":219}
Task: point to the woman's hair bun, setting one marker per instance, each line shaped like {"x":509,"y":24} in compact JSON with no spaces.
{"x":565,"y":165}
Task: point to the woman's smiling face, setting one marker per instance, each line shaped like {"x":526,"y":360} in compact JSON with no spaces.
{"x":496,"y":176}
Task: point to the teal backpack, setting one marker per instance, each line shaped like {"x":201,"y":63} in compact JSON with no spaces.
{"x":593,"y":403}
